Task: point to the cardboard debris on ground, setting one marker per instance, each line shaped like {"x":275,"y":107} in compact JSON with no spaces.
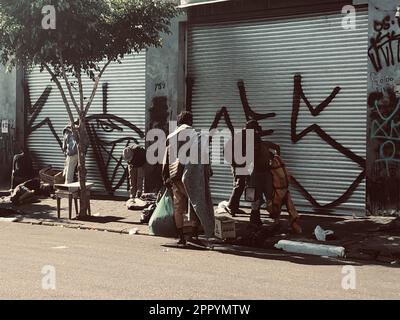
{"x":225,"y":228}
{"x":321,"y":234}
{"x":136,"y":204}
{"x":133,"y":231}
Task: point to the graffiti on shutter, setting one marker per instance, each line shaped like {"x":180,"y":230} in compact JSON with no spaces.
{"x":296,"y":137}
{"x":223,"y":114}
{"x":98,"y":126}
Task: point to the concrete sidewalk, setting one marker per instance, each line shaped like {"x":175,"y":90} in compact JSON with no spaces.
{"x":368,"y":239}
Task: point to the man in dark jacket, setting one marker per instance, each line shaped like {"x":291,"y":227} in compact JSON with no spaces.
{"x":261,"y":177}
{"x":135,"y":156}
{"x":237,"y":143}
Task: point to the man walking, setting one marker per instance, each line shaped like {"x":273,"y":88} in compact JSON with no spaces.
{"x":173,"y":173}
{"x":189,"y":181}
{"x":237,"y":143}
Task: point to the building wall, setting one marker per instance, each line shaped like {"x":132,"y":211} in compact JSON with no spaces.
{"x":242,"y":9}
{"x":165,"y":86}
{"x":159,"y":75}
{"x":7,"y":117}
{"x":165,"y":76}
{"x":382,"y":101}
{"x":383,"y":160}
{"x":255,"y":62}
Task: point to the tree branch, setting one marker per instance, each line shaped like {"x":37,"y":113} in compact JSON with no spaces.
{"x":64,"y":97}
{"x":79,"y":77}
{"x":68,"y":84}
{"x":96,"y":84}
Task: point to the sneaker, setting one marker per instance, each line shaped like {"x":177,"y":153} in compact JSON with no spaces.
{"x":181,"y":242}
{"x":230,"y":211}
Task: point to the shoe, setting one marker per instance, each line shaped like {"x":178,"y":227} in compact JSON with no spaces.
{"x":230,"y":211}
{"x":236,"y":212}
{"x":195,"y":232}
{"x":182,"y":239}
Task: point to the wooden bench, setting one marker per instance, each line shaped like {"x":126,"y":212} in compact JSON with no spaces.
{"x":71,"y":191}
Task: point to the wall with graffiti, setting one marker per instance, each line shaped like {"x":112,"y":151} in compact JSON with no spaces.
{"x":305,"y":80}
{"x":142,"y":93}
{"x":383,"y":167}
{"x":222,"y":118}
{"x":116,"y":119}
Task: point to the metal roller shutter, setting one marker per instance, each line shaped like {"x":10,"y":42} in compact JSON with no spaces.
{"x":118,"y":108}
{"x":266,"y":55}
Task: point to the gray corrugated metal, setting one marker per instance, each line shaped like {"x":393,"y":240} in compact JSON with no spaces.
{"x":125,"y":99}
{"x":266,"y":54}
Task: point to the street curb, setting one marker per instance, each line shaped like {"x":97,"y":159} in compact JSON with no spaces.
{"x":77,"y":227}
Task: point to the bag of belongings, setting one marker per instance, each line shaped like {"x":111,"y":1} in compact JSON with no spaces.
{"x":153,"y":199}
{"x":25,"y":192}
{"x":147,"y":213}
{"x":280,"y":179}
{"x":162,"y":222}
{"x":136,"y":204}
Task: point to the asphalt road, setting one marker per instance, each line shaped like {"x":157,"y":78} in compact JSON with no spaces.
{"x":99,"y":265}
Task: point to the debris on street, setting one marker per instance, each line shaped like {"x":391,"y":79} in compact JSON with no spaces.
{"x":311,"y":248}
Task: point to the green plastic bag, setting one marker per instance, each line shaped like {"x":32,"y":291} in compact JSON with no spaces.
{"x":162,"y":222}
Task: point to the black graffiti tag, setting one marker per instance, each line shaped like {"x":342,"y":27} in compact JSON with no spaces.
{"x":99,"y":126}
{"x":299,"y":95}
{"x":34,"y":112}
{"x":384,"y":49}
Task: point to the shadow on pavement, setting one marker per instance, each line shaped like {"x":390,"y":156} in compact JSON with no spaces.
{"x":100,"y":219}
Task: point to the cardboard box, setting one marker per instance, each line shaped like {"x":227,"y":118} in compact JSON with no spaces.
{"x":225,"y":228}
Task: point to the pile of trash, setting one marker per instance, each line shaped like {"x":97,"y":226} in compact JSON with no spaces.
{"x":311,"y":248}
{"x":147,"y":203}
{"x":27,"y":192}
{"x":258,"y":236}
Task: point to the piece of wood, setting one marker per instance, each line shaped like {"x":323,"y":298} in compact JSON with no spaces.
{"x":58,"y":207}
{"x":70,"y":206}
{"x":76,"y":206}
{"x":89,"y":210}
{"x":72,"y":187}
